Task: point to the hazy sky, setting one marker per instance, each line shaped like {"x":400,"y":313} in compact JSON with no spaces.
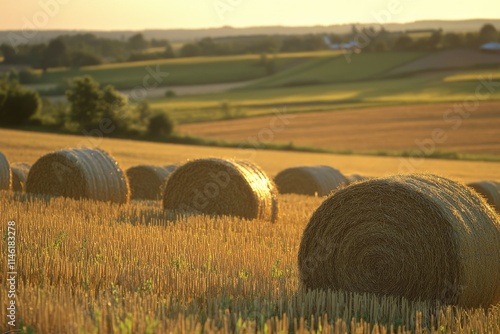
{"x":151,"y":14}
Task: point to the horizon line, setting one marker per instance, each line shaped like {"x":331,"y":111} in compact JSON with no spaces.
{"x":262,"y":26}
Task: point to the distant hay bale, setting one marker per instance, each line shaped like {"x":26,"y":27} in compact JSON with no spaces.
{"x":355,"y":177}
{"x":5,"y":173}
{"x":309,"y":180}
{"x":221,"y":187}
{"x":490,"y":190}
{"x":418,"y":236}
{"x":79,"y":173}
{"x":146,"y":181}
{"x":19,"y":175}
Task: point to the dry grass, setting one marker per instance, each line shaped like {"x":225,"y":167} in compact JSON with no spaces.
{"x":95,"y":267}
{"x":91,"y":267}
{"x":18,"y":146}
{"x":372,"y":129}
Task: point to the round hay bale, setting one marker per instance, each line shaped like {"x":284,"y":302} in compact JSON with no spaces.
{"x":5,"y":173}
{"x":79,"y":173}
{"x":309,"y":180}
{"x":417,"y":236}
{"x":146,"y":181}
{"x":490,"y":190}
{"x":19,"y":175}
{"x":221,"y":187}
{"x":355,"y":177}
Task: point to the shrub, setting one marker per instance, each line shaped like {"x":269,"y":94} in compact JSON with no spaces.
{"x":161,"y":125}
{"x":17,"y":104}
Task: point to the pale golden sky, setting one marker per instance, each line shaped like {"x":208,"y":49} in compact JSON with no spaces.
{"x":165,"y":14}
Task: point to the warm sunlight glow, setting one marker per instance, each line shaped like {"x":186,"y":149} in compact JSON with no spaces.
{"x":161,"y":14}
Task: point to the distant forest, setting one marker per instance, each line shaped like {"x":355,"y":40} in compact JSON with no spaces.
{"x":78,"y":50}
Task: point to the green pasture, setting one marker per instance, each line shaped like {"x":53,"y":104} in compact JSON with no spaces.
{"x":424,"y":88}
{"x":181,"y":71}
{"x":344,"y":68}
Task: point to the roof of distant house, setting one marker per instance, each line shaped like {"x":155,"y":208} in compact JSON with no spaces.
{"x":491,"y":46}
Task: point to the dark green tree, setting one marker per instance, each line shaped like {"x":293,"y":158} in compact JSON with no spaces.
{"x":403,"y":43}
{"x":453,"y":40}
{"x":17,"y":104}
{"x":85,"y":98}
{"x":137,"y":42}
{"x":79,"y":59}
{"x":55,"y":55}
{"x":90,"y":105}
{"x":190,"y":50}
{"x":9,"y":53}
{"x":114,"y":106}
{"x":488,"y":33}
{"x":161,"y":125}
{"x":434,"y":40}
{"x":169,"y":51}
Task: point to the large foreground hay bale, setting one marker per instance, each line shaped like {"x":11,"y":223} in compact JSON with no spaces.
{"x":146,"y":181}
{"x":19,"y":175}
{"x":5,"y":173}
{"x":417,"y":236}
{"x":222,"y":187}
{"x":309,"y":180}
{"x":79,"y":173}
{"x":490,"y":190}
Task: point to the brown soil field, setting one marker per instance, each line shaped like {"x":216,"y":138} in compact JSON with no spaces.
{"x":20,"y":146}
{"x":446,"y":127}
{"x":448,"y":59}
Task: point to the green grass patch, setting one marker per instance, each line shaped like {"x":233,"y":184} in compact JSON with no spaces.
{"x":419,"y":89}
{"x":474,"y":75}
{"x":182,"y":71}
{"x":340,"y":68}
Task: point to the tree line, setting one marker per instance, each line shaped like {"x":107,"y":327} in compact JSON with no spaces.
{"x":90,"y":107}
{"x":79,"y":50}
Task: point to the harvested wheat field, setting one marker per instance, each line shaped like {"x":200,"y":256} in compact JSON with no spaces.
{"x":436,"y":127}
{"x":18,"y":146}
{"x":86,"y":266}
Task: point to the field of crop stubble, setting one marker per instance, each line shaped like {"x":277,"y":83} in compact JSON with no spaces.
{"x":87,"y":267}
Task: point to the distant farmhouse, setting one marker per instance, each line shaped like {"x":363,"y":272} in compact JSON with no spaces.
{"x":352,"y":45}
{"x":492,"y":47}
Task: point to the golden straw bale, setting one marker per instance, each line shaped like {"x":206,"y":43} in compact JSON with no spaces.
{"x":79,"y":173}
{"x":309,"y":180}
{"x":355,"y":177}
{"x":221,"y":187}
{"x":5,"y":173}
{"x":417,"y":236}
{"x":490,"y":190}
{"x":19,"y":175}
{"x":146,"y":181}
